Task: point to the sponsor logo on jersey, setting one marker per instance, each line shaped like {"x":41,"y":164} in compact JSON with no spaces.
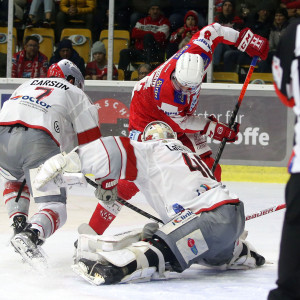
{"x":182,"y":217}
{"x":179,"y":97}
{"x":16,"y":97}
{"x":203,"y":44}
{"x":158,"y":85}
{"x":180,"y":52}
{"x":203,"y":188}
{"x":192,"y":246}
{"x":206,"y":60}
{"x":31,"y":99}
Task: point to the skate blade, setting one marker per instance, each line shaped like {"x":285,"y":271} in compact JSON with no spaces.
{"x":82,"y":273}
{"x":34,"y":257}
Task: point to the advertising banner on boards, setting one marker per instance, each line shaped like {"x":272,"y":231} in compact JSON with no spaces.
{"x":266,"y":129}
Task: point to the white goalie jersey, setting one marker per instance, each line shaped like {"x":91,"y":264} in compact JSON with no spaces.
{"x":165,"y":171}
{"x":55,"y":106}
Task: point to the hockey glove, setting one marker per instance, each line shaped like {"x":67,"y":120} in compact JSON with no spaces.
{"x":107,"y":190}
{"x":219,"y":131}
{"x":253,"y":44}
{"x":55,"y":165}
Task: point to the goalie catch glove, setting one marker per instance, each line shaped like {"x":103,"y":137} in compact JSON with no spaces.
{"x":55,"y":165}
{"x":219,"y":131}
{"x":107,"y":190}
{"x":252,"y":44}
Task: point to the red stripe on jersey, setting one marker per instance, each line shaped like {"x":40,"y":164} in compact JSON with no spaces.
{"x":230,"y":201}
{"x":88,"y":136}
{"x":131,"y":170}
{"x":288,"y":102}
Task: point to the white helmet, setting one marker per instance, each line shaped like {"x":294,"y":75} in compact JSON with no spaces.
{"x":158,"y":130}
{"x":68,"y":70}
{"x":189,"y":72}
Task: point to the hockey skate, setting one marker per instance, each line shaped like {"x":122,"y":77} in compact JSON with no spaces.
{"x":97,"y":274}
{"x":19,"y":223}
{"x":27,"y":244}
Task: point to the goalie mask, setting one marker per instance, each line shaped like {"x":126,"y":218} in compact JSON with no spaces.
{"x":188,"y":74}
{"x":68,"y":70}
{"x":158,"y":130}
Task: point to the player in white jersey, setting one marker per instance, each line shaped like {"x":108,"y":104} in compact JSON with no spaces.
{"x":203,"y":221}
{"x":43,"y":117}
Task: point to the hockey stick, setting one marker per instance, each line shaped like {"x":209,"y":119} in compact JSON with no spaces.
{"x":125,"y":203}
{"x":234,"y":113}
{"x":265,"y":211}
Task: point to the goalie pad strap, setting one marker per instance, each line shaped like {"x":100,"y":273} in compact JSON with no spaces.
{"x":139,"y":250}
{"x":161,"y":260}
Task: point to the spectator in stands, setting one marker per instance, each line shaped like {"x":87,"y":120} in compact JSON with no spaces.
{"x":228,"y":18}
{"x":35,"y":4}
{"x":178,"y":9}
{"x":97,"y":69}
{"x":143,"y":71}
{"x":190,"y":27}
{"x":100,"y":20}
{"x":79,"y":10}
{"x":278,"y":28}
{"x":29,"y":62}
{"x":292,"y":6}
{"x":260,"y":24}
{"x":65,"y":50}
{"x":150,"y":35}
{"x":139,"y":11}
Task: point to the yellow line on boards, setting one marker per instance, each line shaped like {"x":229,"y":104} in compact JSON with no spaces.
{"x":255,"y":174}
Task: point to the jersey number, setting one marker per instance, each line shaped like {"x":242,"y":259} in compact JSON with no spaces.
{"x":196,"y":164}
{"x":46,"y":92}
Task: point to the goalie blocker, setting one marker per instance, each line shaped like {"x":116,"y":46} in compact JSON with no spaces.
{"x":212,"y":238}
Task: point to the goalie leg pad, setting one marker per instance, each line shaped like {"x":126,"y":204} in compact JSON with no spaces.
{"x":209,"y":236}
{"x":89,"y":243}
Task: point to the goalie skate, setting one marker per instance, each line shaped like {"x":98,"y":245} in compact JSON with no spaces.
{"x":25,"y":243}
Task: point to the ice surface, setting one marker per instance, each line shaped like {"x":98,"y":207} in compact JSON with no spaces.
{"x":59,"y":282}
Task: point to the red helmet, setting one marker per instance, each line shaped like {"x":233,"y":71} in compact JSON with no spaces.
{"x":68,"y":70}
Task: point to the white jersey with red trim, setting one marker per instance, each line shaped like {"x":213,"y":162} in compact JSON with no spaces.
{"x":165,"y":171}
{"x":56,"y":106}
{"x":154,"y":97}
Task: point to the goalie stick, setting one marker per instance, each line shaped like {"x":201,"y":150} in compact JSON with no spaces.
{"x":234,"y":113}
{"x":125,"y":203}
